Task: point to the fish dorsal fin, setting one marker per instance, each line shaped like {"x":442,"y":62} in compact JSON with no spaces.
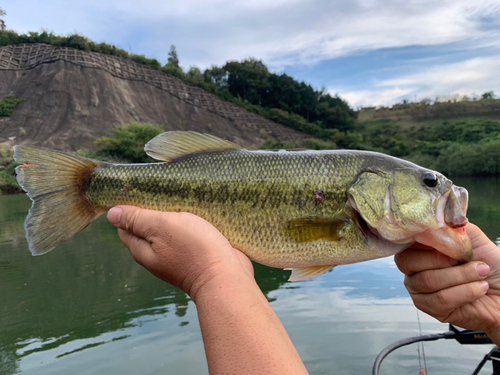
{"x":170,"y":146}
{"x":313,"y":228}
{"x":304,"y":273}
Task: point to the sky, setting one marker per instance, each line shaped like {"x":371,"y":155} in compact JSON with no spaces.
{"x":370,"y":52}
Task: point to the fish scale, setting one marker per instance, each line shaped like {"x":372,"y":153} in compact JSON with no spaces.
{"x":249,"y":196}
{"x":305,"y":210}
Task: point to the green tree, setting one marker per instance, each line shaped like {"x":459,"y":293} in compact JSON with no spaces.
{"x":126,"y":142}
{"x":488,"y":95}
{"x":248,"y":79}
{"x":216,"y":76}
{"x":2,"y":22}
{"x":335,"y":113}
{"x":172,"y":66}
{"x":194,"y":75}
{"x":173,"y":58}
{"x":284,"y":93}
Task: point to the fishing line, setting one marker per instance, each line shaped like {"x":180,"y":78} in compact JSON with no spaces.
{"x":423,"y":349}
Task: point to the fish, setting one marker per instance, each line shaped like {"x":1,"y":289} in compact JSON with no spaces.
{"x":307,"y":211}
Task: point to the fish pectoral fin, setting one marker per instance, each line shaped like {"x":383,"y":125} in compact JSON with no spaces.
{"x":312,"y":228}
{"x":304,"y":273}
{"x":170,"y":146}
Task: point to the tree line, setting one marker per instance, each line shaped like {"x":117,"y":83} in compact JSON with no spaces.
{"x":247,"y":83}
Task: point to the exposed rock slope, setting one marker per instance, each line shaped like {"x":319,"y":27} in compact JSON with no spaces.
{"x":73,"y":97}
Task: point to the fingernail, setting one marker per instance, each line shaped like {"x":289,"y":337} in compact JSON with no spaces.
{"x":485,"y":285}
{"x":114,"y":216}
{"x":483,"y":269}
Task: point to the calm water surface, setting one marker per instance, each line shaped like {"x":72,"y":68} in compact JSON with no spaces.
{"x":87,"y":308}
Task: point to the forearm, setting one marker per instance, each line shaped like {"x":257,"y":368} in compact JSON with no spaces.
{"x":241,"y":332}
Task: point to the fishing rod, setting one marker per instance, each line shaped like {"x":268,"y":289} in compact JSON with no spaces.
{"x":463,"y":336}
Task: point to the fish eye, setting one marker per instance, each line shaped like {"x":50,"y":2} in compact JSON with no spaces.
{"x":430,"y":180}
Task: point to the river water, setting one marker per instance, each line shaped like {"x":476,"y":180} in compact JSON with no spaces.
{"x":87,"y":308}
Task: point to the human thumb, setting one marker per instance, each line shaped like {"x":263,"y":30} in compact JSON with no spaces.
{"x":114,"y":215}
{"x":140,"y":222}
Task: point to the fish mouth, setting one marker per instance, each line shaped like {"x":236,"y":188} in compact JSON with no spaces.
{"x":367,"y":230}
{"x":456,"y":207}
{"x":377,"y":241}
{"x":450,"y":238}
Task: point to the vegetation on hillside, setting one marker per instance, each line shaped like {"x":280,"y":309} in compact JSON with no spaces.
{"x":8,"y":183}
{"x":248,"y":84}
{"x":452,"y":106}
{"x":461,"y":147}
{"x":126,"y":143}
{"x":8,"y":105}
{"x":465,"y":147}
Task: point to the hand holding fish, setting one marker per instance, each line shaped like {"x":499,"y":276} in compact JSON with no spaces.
{"x":239,"y":327}
{"x":179,"y":248}
{"x":467,"y":295}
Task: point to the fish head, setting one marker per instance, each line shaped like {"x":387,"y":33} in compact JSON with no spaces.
{"x":413,"y":204}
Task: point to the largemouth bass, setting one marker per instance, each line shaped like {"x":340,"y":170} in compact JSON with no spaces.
{"x":303,"y":210}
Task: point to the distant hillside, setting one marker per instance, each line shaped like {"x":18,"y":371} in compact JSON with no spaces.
{"x":453,"y":137}
{"x":415,"y":114}
{"x":248,"y":83}
{"x":71,"y":97}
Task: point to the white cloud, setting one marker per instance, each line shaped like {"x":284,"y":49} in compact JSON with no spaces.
{"x":473,"y":76}
{"x":279,"y":32}
{"x":287,"y":33}
{"x":375,"y":97}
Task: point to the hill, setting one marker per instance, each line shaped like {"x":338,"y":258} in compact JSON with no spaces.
{"x":409,"y":114}
{"x":71,"y":97}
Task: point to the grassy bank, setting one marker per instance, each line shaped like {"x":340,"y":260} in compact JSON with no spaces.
{"x":8,"y":183}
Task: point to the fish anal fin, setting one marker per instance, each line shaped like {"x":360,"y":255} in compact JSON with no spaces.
{"x":305,"y":273}
{"x":312,"y":228}
{"x":170,"y":146}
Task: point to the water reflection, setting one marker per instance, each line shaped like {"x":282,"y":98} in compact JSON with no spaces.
{"x":484,"y":203}
{"x":84,"y":297}
{"x":88,"y":308}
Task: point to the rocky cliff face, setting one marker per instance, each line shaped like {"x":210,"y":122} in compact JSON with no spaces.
{"x":72,"y":97}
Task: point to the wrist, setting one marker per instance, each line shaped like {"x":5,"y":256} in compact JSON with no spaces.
{"x":494,"y":335}
{"x":220,"y":282}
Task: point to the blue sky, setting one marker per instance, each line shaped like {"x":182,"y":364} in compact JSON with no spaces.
{"x":370,"y":52}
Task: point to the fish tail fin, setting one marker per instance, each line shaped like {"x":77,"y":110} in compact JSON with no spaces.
{"x":56,"y":182}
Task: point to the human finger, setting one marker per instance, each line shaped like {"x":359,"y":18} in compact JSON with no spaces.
{"x":140,"y":222}
{"x":441,"y":304}
{"x":411,"y":261}
{"x":139,"y":248}
{"x":419,"y":246}
{"x":433,"y":280}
